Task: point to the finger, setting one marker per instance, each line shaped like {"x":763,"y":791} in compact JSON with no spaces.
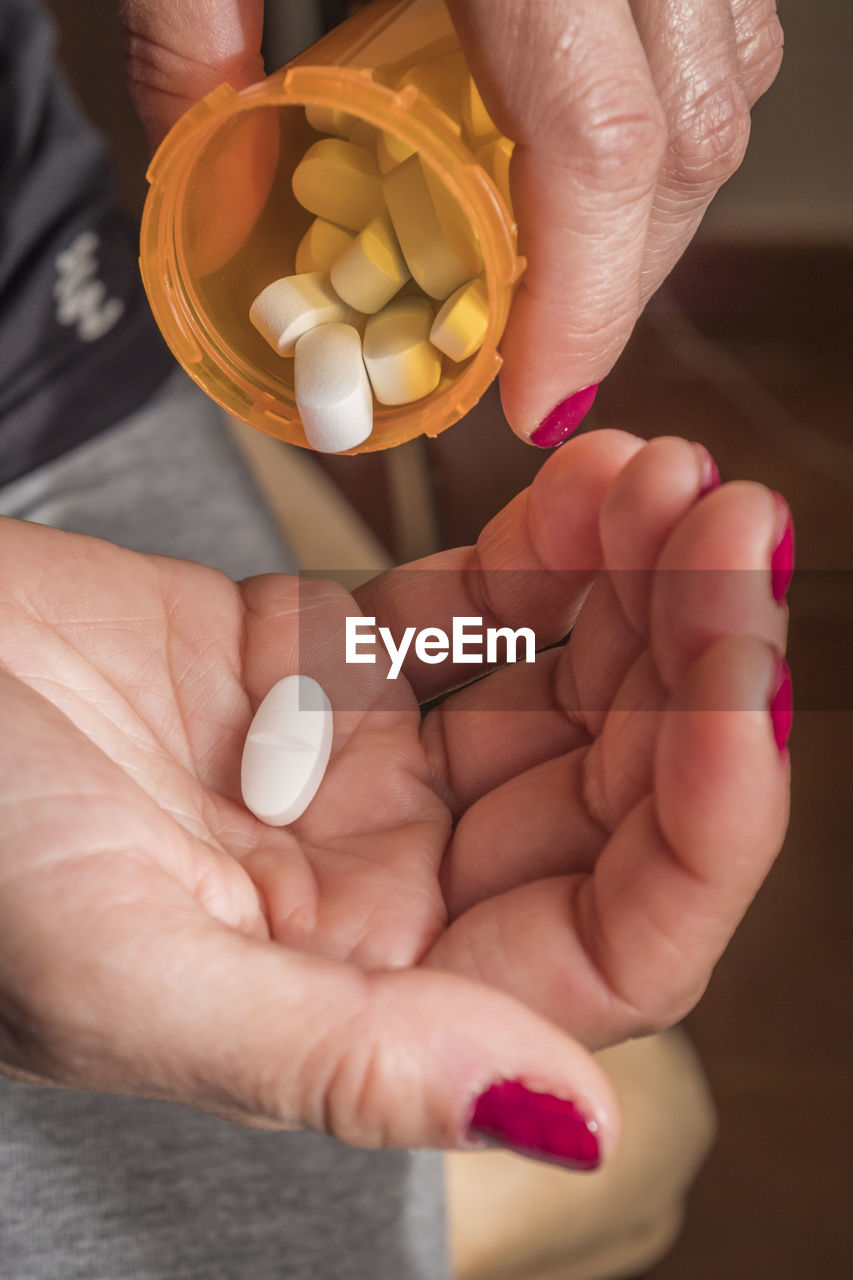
{"x":281,"y":1039}
{"x":642,"y":507}
{"x":760,"y":41}
{"x":680,"y":872}
{"x":569,"y":82}
{"x":531,"y":565}
{"x":693,"y":59}
{"x":715,"y":577}
{"x":177,"y":53}
{"x":631,"y":947}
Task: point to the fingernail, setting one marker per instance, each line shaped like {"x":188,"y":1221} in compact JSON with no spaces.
{"x":781,"y":706}
{"x":782,"y":560}
{"x":537,"y":1125}
{"x":564,"y":419}
{"x":709,"y":471}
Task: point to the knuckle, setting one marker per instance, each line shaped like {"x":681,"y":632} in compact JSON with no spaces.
{"x":708,"y":142}
{"x":614,"y":131}
{"x":761,"y":50}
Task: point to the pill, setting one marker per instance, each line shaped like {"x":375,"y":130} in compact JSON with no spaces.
{"x":430,"y":258}
{"x":371,"y":269}
{"x":495,"y":157}
{"x":391,"y":150}
{"x":362,"y":134}
{"x":442,"y":82}
{"x":289,"y":307}
{"x":332,"y":389}
{"x":402,"y":363}
{"x":455,"y":224}
{"x":480,"y":128}
{"x":322,"y":243}
{"x":329,"y":120}
{"x":461,"y":323}
{"x":286,"y":751}
{"x":340,"y":182}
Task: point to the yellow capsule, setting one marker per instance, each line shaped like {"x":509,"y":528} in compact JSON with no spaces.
{"x":329,"y":120}
{"x":480,"y":128}
{"x":460,"y":326}
{"x":362,"y":133}
{"x":442,"y":82}
{"x":371,"y":269}
{"x":339,"y":182}
{"x":391,"y":150}
{"x":438,"y":262}
{"x":401,"y":362}
{"x":495,"y":157}
{"x":322,"y":244}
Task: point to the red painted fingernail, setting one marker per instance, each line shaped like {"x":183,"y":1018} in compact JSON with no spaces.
{"x":564,"y":419}
{"x":782,"y":560}
{"x":537,"y":1125}
{"x":781,"y":706}
{"x":709,"y":471}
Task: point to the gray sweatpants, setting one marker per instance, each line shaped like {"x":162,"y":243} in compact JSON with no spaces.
{"x":103,"y":1188}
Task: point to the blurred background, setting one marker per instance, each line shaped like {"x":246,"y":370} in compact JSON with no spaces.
{"x":749,"y":349}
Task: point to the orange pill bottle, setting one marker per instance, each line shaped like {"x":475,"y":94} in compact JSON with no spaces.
{"x":221,"y":221}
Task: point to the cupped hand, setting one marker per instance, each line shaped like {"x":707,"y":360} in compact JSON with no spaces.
{"x":471,"y":896}
{"x":628,"y":118}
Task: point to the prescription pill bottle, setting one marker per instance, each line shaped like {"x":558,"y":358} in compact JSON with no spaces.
{"x":221,"y":221}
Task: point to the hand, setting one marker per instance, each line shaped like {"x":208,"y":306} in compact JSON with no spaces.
{"x":628,"y":120}
{"x":465,"y":892}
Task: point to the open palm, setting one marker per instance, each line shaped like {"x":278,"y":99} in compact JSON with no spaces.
{"x":561,"y":848}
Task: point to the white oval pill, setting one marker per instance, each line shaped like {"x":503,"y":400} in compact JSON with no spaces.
{"x":287,"y":750}
{"x":289,"y":307}
{"x":332,"y":389}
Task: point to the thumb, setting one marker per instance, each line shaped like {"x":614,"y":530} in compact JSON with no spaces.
{"x":570,"y":83}
{"x":178,"y":52}
{"x":389,"y":1058}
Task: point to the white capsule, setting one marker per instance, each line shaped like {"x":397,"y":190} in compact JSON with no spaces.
{"x":286,"y":752}
{"x":332,"y":389}
{"x":289,"y":307}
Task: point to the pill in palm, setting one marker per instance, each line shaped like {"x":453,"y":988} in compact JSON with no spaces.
{"x":340,"y":182}
{"x":322,"y":243}
{"x":286,"y":751}
{"x":289,"y":307}
{"x":332,"y":388}
{"x":461,"y":323}
{"x":402,"y":363}
{"x":433,"y":262}
{"x":371,"y":269}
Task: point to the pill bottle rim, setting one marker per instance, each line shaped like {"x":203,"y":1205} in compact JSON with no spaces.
{"x":222,"y":372}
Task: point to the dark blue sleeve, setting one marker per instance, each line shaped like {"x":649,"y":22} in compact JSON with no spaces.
{"x":79,"y":349}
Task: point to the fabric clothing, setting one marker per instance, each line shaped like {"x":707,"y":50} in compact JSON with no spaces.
{"x":79,"y":349}
{"x":101,"y":434}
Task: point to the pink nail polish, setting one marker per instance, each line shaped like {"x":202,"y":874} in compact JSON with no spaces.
{"x":782,"y":560}
{"x":564,"y":419}
{"x":782,"y":706}
{"x":537,"y":1125}
{"x":709,"y":471}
